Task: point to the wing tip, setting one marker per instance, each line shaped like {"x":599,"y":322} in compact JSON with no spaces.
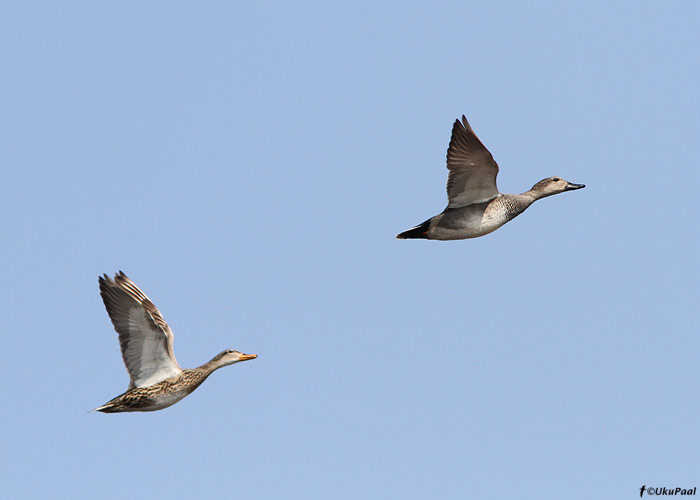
{"x":118,"y":276}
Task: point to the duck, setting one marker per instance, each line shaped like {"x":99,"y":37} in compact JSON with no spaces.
{"x":475,"y":206}
{"x":146,"y":341}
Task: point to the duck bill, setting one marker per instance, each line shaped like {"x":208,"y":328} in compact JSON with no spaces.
{"x":571,"y":186}
{"x":246,"y":357}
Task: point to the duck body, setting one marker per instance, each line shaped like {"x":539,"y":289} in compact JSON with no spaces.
{"x":475,"y":206}
{"x":470,"y":221}
{"x":157,"y":396}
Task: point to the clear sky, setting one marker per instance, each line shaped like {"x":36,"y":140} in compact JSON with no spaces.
{"x":248,"y":164}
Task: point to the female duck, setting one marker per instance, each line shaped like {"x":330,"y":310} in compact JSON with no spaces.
{"x":157,"y":381}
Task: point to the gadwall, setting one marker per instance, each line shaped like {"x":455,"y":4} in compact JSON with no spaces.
{"x":157,"y":381}
{"x":475,"y":207}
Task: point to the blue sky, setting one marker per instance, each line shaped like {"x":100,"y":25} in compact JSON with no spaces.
{"x":248,"y":165}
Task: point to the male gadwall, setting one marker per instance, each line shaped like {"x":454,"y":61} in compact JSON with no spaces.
{"x":157,"y":381}
{"x":475,"y":207}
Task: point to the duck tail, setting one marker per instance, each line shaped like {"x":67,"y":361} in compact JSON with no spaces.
{"x":420,"y":231}
{"x":105,"y":408}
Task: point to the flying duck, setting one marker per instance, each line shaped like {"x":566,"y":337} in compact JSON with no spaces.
{"x":475,"y":207}
{"x":146,"y":341}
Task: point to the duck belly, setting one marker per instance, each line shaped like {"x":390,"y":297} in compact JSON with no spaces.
{"x":165,"y":400}
{"x":462,"y":223}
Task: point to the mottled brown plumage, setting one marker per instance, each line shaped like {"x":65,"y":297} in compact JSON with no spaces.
{"x":146,"y":341}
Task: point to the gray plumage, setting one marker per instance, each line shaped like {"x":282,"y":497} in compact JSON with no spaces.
{"x":475,"y":206}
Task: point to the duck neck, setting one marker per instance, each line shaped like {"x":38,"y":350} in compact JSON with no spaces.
{"x":518,"y":203}
{"x":210,"y":366}
{"x":532,"y":195}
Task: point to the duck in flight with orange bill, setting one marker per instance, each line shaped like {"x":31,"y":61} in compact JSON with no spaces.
{"x":475,"y":207}
{"x":146,"y":341}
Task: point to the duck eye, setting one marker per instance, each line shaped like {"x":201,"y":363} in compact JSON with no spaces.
{"x":556,"y":179}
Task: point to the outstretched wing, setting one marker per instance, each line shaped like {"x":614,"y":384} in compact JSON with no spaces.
{"x":145,"y":338}
{"x":473,"y":171}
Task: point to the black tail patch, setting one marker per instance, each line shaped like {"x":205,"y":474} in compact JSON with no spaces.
{"x":420,"y":231}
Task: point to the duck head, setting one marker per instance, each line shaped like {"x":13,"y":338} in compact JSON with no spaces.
{"x":231,"y":356}
{"x":553,"y":185}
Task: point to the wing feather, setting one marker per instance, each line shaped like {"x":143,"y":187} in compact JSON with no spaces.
{"x":473,"y":171}
{"x":145,"y":338}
